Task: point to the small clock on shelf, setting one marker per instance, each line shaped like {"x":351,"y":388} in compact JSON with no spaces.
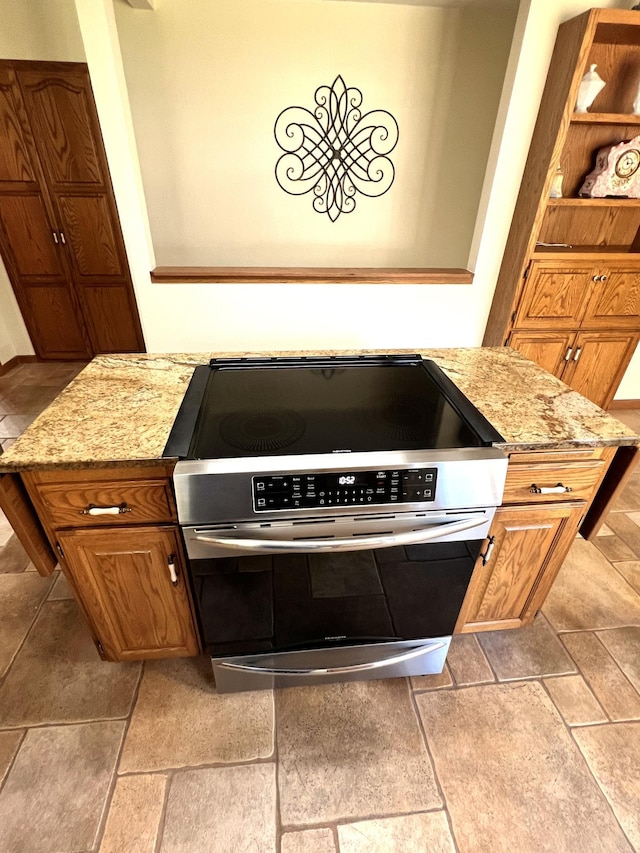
{"x":616,"y":173}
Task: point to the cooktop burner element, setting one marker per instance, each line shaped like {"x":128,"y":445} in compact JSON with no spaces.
{"x":262,"y":430}
{"x":339,"y":404}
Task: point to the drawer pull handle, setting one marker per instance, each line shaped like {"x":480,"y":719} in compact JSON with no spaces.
{"x":173,"y":572}
{"x":92,"y":509}
{"x":550,"y":490}
{"x":487,"y":554}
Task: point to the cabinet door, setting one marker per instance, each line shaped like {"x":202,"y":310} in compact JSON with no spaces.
{"x":598,"y":364}
{"x":555,"y":295}
{"x":40,"y":278}
{"x":66,"y":131}
{"x":123,"y":578}
{"x":529,"y":544}
{"x":551,"y":350}
{"x":615,"y":300}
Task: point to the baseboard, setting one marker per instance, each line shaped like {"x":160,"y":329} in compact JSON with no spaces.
{"x":15,"y":361}
{"x":624,"y":404}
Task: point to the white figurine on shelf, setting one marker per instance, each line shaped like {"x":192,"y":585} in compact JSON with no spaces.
{"x":590,"y":86}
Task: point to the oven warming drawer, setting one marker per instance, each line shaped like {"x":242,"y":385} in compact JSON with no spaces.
{"x":326,"y":666}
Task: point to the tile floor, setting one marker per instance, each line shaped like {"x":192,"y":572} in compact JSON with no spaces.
{"x":529,"y":741}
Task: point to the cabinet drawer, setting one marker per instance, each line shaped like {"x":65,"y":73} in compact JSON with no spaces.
{"x":580,"y":479}
{"x":107,"y":503}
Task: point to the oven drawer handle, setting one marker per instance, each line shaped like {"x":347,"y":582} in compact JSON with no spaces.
{"x":355,"y":543}
{"x":338,"y":670}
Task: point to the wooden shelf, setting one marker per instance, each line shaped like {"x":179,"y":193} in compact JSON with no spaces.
{"x":593,"y":202}
{"x":588,"y":253}
{"x":605,"y":118}
{"x":311,"y":275}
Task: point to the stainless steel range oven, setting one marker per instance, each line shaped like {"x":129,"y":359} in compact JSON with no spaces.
{"x":332,"y":510}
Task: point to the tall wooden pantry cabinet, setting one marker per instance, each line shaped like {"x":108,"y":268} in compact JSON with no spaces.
{"x":60,"y":235}
{"x":568,"y":292}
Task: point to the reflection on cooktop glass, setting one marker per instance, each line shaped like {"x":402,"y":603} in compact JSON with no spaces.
{"x":296,"y":410}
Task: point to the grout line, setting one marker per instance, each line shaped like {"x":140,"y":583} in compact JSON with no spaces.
{"x":600,"y":789}
{"x":622,"y":672}
{"x":163,"y":813}
{"x":36,"y":614}
{"x":13,"y":760}
{"x":276,"y":759}
{"x":432,"y":762}
{"x":114,"y":776}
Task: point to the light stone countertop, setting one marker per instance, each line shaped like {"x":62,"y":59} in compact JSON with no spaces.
{"x":120,"y":408}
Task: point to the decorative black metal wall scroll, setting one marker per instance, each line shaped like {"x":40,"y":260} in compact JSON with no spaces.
{"x":335,"y":151}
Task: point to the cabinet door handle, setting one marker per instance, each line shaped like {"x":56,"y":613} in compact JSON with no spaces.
{"x":173,"y":572}
{"x":568,"y":355}
{"x":62,"y":240}
{"x":559,"y":489}
{"x":596,"y":278}
{"x":577,"y":355}
{"x":55,"y":237}
{"x":487,"y":554}
{"x":92,"y":509}
{"x":603,"y":278}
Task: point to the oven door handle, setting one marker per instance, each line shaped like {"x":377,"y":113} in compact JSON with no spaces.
{"x":355,"y":543}
{"x":336,"y":670}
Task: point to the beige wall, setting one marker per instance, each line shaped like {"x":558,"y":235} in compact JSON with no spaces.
{"x":206,"y":82}
{"x":32,"y":29}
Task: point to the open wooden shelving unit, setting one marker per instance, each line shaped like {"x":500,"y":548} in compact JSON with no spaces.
{"x":568,"y":291}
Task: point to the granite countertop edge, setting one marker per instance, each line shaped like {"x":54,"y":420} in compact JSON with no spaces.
{"x":118,"y":411}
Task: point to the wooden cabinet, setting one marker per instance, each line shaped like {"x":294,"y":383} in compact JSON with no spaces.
{"x":133,"y":583}
{"x":592,"y":363}
{"x":524,"y":542}
{"x":59,"y":228}
{"x":119,"y":545}
{"x":568,"y":292}
{"x":546,"y":497}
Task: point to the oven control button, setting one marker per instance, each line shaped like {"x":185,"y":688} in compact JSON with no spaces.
{"x":262,"y":502}
{"x":260,"y":485}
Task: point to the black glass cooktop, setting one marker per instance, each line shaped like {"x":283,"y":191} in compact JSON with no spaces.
{"x":280,"y":406}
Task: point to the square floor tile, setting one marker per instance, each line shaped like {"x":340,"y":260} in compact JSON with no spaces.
{"x":58,"y":676}
{"x":512,"y":777}
{"x":623,"y":644}
{"x":179,"y":720}
{"x":13,"y":557}
{"x":223,"y":809}
{"x":607,"y":681}
{"x":630,"y":571}
{"x":575,"y":701}
{"x":20,"y":596}
{"x":526,"y":652}
{"x":589,"y":593}
{"x":613,"y":754}
{"x":341,"y":747}
{"x":134,"y":814}
{"x":467,"y":660}
{"x":54,"y":796}
{"x":308,"y":841}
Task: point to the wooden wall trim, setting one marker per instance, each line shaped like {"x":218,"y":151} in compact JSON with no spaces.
{"x":15,"y":361}
{"x":311,"y":275}
{"x":624,"y":404}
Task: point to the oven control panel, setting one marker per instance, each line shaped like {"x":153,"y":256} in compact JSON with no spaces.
{"x":343,"y":488}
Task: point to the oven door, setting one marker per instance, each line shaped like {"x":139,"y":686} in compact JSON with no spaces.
{"x":332,"y":600}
